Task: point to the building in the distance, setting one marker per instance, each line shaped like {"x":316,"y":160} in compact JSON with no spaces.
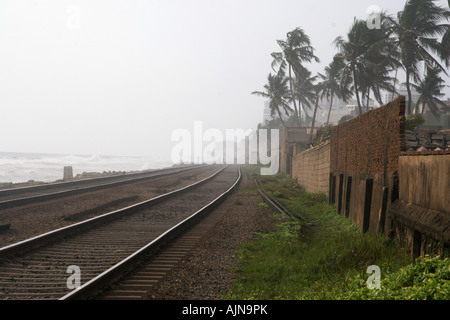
{"x":340,"y":109}
{"x":402,"y":91}
{"x":267,"y":116}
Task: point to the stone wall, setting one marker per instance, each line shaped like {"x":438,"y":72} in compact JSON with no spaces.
{"x":293,"y":140}
{"x":312,"y":168}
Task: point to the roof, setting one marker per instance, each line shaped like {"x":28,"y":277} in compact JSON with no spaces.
{"x":428,"y":140}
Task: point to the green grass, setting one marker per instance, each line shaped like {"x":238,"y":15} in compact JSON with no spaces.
{"x":322,"y":255}
{"x":428,"y":278}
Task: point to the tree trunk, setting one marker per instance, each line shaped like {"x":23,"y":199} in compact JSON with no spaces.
{"x":408,"y":88}
{"x":331,"y":106}
{"x":314,"y":120}
{"x":356,"y":90}
{"x":300,"y":113}
{"x":293,"y":97}
{"x":395,"y":82}
{"x":281,"y":118}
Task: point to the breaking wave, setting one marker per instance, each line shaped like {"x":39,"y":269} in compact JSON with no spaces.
{"x":22,"y":167}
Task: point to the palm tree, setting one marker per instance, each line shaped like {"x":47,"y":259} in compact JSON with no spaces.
{"x":430,"y":89}
{"x":319,"y":89}
{"x":296,"y":50}
{"x":306,"y":92}
{"x":331,"y":84}
{"x":277,"y":91}
{"x":416,"y":33}
{"x":380,"y":60}
{"x":375,"y":78}
{"x":278,"y":58}
{"x":446,"y":44}
{"x":370,"y":56}
{"x":352,"y":52}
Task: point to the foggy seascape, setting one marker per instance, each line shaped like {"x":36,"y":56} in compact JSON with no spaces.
{"x":217,"y":152}
{"x":22,"y":167}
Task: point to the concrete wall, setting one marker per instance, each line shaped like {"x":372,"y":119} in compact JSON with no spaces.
{"x":293,"y":140}
{"x":421,"y":215}
{"x":425,"y":181}
{"x":312,"y":168}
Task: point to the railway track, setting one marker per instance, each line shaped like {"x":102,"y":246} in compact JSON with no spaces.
{"x":25,"y":195}
{"x":106,"y":247}
{"x":140,"y":282}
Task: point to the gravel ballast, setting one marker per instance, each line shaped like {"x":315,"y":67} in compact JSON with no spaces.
{"x":210,"y":268}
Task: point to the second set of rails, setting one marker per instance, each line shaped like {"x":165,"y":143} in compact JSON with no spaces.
{"x":32,"y":194}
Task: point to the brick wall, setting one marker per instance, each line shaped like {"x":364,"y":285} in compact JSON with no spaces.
{"x":364,"y":161}
{"x":371,"y":143}
{"x":312,"y":168}
{"x":376,"y":183}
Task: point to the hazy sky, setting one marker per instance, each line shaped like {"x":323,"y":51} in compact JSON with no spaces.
{"x":118,"y":76}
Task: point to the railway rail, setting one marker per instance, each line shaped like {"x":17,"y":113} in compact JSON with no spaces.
{"x":105,"y":247}
{"x":32,"y":194}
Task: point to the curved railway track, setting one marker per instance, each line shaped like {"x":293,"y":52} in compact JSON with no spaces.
{"x":106,"y":246}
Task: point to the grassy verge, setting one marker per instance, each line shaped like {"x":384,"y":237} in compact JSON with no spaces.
{"x":322,"y":255}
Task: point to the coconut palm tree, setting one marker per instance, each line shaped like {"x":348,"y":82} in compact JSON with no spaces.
{"x":277,"y":91}
{"x":415,"y":33}
{"x":295,"y":51}
{"x":446,"y":44}
{"x":352,"y":51}
{"x":278,"y":58}
{"x":331,"y":84}
{"x":370,"y":56}
{"x":306,"y":92}
{"x":380,"y":61}
{"x":373,"y":79}
{"x":319,"y":89}
{"x":430,"y":89}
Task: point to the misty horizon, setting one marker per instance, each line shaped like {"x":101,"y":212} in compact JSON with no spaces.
{"x":119,"y":77}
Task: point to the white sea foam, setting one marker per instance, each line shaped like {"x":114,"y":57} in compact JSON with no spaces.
{"x":22,"y":167}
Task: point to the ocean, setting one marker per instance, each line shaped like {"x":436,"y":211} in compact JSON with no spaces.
{"x":22,"y":167}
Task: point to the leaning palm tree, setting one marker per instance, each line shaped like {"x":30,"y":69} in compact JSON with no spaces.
{"x":305,"y":91}
{"x":296,"y":50}
{"x":319,"y":89}
{"x":374,"y":78}
{"x":446,"y":44}
{"x":416,"y":33}
{"x":331,"y":84}
{"x":352,"y":51}
{"x":370,"y":56}
{"x":277,"y":91}
{"x":430,"y":90}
